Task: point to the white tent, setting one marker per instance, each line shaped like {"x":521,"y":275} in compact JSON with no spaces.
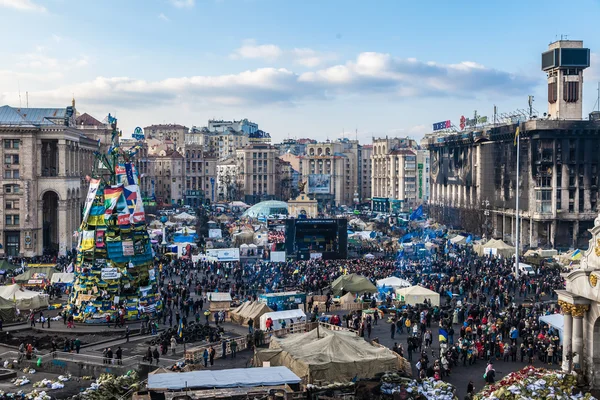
{"x":417,"y":294}
{"x":184,"y":217}
{"x":62,"y":277}
{"x":188,"y":231}
{"x":393,"y":282}
{"x":555,"y":320}
{"x":25,"y":299}
{"x":458,"y":239}
{"x":369,"y":256}
{"x":296,"y":315}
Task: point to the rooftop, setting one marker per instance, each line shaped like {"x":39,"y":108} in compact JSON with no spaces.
{"x":34,"y":117}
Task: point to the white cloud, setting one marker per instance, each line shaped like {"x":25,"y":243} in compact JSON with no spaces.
{"x":251,"y":50}
{"x":302,"y":56}
{"x":40,"y":60}
{"x":164,"y":17}
{"x":311,"y":58}
{"x":183,"y":3}
{"x":22,"y":5}
{"x":369,"y":74}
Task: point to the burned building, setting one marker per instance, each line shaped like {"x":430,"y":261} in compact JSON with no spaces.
{"x":473,"y":172}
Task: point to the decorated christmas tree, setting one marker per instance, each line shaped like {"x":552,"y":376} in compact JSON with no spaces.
{"x":114,"y":271}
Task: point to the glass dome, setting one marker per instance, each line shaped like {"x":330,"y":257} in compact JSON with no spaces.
{"x":266,"y":208}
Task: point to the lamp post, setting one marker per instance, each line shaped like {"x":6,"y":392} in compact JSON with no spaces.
{"x":518,"y":140}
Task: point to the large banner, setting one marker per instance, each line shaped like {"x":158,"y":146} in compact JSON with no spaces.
{"x":94,"y":183}
{"x":319,"y":183}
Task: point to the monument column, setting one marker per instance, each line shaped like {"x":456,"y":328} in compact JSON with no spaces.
{"x":578,"y":311}
{"x":567,"y":332}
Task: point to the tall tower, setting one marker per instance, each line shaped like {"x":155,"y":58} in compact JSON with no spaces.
{"x":564,"y":63}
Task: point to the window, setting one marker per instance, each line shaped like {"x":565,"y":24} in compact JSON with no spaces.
{"x":11,"y":220}
{"x":11,"y":188}
{"x":11,"y":159}
{"x":543,"y":201}
{"x":11,"y":204}
{"x":11,"y":143}
{"x":571,"y":92}
{"x":552,"y":92}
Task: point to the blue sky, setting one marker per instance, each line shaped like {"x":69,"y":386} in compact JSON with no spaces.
{"x":297,"y":68}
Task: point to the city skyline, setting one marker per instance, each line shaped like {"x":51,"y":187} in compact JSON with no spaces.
{"x":354,"y":70}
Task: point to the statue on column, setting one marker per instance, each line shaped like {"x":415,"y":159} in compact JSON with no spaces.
{"x":301,"y":187}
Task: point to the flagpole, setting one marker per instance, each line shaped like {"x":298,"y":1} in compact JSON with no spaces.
{"x":517,"y":206}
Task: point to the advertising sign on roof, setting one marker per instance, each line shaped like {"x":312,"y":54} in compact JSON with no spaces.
{"x":442,"y":125}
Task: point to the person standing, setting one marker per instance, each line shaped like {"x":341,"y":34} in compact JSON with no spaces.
{"x":127,"y":334}
{"x":156,"y":355}
{"x":233,"y":346}
{"x":205,"y":357}
{"x":119,"y":354}
{"x":109,"y":356}
{"x":173,"y":344}
{"x":393,"y":329}
{"x":211,"y":355}
{"x":149,"y":355}
{"x":471,"y":388}
{"x":224,"y":348}
{"x":250,"y":326}
{"x":77,"y":345}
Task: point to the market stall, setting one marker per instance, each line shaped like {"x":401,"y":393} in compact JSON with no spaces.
{"x":417,"y":295}
{"x":219,"y":301}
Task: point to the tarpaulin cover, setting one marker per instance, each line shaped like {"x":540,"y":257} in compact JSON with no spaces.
{"x":555,"y":320}
{"x":330,"y":356}
{"x":394,"y":282}
{"x":25,"y":299}
{"x":353,"y":283}
{"x":225,"y":378}
{"x":250,"y":309}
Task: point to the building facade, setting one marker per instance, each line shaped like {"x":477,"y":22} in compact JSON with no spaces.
{"x":173,"y":132}
{"x":331,"y":173}
{"x":473,"y":173}
{"x":167,"y":171}
{"x":200,"y":176}
{"x":43,"y":184}
{"x":258,"y":172}
{"x":365,"y":169}
{"x":228,"y":185}
{"x":394,"y":173}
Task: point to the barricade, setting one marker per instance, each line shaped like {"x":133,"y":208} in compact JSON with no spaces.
{"x":195,"y":354}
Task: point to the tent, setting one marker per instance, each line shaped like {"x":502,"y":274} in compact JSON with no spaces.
{"x":239,"y":204}
{"x":186,"y":231}
{"x":393,"y":282}
{"x":25,"y":299}
{"x":495,"y":247}
{"x":6,"y":266}
{"x":40,"y":274}
{"x":63,"y":277}
{"x":326,"y":356}
{"x":417,"y":294}
{"x":348,"y":298}
{"x":242,"y":314}
{"x":352,"y":283}
{"x":555,"y":320}
{"x":184,"y":217}
{"x":369,"y":256}
{"x":296,"y":315}
{"x":458,"y":239}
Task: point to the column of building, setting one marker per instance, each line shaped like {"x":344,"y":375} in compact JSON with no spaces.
{"x":573,"y":333}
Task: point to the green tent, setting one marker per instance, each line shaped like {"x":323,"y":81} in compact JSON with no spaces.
{"x":6,"y":266}
{"x":352,"y":283}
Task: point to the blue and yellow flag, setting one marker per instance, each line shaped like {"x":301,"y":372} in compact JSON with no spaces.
{"x":516,"y":134}
{"x":180,"y":329}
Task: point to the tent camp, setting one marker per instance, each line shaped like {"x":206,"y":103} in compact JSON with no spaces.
{"x":417,"y":295}
{"x":8,"y":311}
{"x":352,"y":283}
{"x":348,"y":298}
{"x":393,"y":282}
{"x":25,"y":299}
{"x":288,"y":316}
{"x":250,"y":309}
{"x":496,"y":248}
{"x":330,"y":356}
{"x":6,"y":266}
{"x":37,"y":274}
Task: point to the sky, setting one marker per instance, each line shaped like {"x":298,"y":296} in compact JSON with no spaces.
{"x":311,"y":68}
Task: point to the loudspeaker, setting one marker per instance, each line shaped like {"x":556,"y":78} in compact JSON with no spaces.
{"x":343,"y":238}
{"x":290,"y":236}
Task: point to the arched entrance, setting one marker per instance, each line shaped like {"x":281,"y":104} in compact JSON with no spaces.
{"x":50,"y":227}
{"x":594,"y":371}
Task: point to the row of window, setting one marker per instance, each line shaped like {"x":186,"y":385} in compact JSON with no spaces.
{"x":11,"y":174}
{"x":11,"y":159}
